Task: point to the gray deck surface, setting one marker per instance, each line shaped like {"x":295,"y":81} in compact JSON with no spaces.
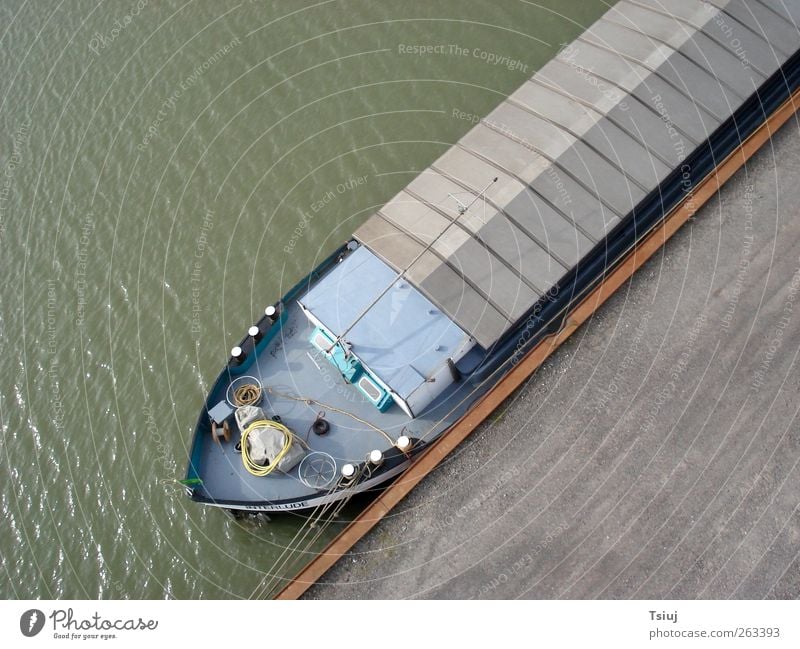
{"x":575,"y":149}
{"x":294,"y":370}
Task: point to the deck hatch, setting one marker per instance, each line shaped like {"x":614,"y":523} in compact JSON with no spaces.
{"x":371,"y":324}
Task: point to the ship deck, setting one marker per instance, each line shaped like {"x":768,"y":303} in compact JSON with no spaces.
{"x":598,"y":140}
{"x":298,"y":385}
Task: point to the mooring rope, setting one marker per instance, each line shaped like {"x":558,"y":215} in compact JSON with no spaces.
{"x":309,"y":401}
{"x":293,"y":549}
{"x":247,"y":395}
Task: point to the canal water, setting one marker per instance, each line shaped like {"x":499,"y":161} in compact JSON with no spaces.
{"x":168,"y":169}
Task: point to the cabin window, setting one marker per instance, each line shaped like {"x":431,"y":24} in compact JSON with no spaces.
{"x":370,"y":389}
{"x":321,"y":341}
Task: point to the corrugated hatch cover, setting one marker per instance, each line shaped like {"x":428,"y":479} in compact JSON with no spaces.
{"x":575,"y":149}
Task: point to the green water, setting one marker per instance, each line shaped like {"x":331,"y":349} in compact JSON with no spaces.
{"x":168,"y":169}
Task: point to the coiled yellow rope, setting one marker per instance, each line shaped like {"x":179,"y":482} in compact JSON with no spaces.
{"x":258,"y":469}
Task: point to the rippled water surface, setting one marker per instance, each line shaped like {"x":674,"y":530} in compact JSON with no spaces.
{"x":168,"y":169}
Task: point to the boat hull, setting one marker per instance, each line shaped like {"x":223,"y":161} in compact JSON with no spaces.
{"x":313,"y":502}
{"x":300,"y":386}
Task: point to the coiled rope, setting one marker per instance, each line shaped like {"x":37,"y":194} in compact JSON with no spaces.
{"x":258,"y":469}
{"x":247,"y":394}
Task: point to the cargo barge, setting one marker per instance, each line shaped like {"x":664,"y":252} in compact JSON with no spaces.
{"x":396,"y":335}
